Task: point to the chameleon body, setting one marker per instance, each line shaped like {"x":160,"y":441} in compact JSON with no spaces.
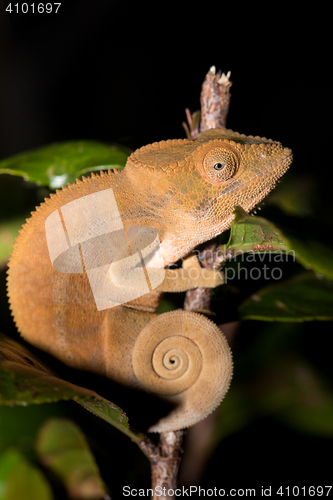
{"x":186,"y":191}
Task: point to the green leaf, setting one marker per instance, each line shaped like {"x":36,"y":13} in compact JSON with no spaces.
{"x":21,"y":479}
{"x":19,"y":424}
{"x":28,"y":483}
{"x":256,"y":234}
{"x":311,"y":254}
{"x":9,"y":230}
{"x":57,"y":164}
{"x":305,"y":297}
{"x":62,"y":447}
{"x":8,"y":461}
{"x":250,"y":234}
{"x":25,"y":380}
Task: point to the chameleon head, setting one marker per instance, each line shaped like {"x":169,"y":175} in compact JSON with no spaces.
{"x":234,"y":169}
{"x":197,"y":184}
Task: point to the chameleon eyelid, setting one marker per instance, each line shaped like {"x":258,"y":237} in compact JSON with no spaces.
{"x":213,"y":153}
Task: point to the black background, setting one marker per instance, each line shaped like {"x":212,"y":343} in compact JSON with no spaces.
{"x":124,"y":72}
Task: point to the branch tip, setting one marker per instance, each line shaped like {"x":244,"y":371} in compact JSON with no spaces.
{"x":224,"y":78}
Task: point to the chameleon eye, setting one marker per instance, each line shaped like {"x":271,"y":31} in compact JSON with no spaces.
{"x":220,"y":164}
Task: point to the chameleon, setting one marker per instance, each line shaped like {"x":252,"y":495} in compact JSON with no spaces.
{"x":180,"y":193}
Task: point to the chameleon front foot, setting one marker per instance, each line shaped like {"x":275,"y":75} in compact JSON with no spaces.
{"x":185,"y":358}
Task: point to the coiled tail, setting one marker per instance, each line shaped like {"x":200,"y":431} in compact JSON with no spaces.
{"x":185,"y":358}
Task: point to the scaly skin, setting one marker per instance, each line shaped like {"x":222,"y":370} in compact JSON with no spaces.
{"x":187,"y":191}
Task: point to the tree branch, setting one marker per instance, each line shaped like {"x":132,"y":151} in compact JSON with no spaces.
{"x":165,"y":457}
{"x":215,"y":100}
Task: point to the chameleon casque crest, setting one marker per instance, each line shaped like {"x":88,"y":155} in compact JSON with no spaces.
{"x":171,"y":196}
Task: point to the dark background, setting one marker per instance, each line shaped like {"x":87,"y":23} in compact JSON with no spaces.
{"x":124,"y":72}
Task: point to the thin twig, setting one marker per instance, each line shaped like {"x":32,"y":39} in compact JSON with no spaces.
{"x":165,"y":457}
{"x":215,"y":100}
